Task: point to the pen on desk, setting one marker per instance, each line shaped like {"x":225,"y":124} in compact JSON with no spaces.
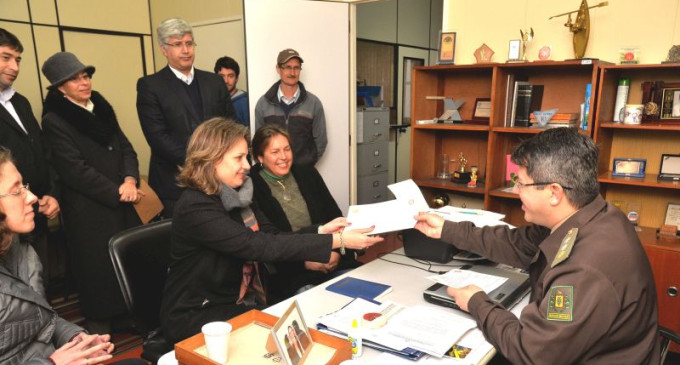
{"x":470,"y":212}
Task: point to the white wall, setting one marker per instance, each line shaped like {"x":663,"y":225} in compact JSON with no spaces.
{"x":320,"y":32}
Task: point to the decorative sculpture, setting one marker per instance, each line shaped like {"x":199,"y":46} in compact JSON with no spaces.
{"x":580,"y":27}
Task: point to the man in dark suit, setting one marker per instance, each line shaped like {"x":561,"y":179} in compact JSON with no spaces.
{"x":172,"y":102}
{"x":20,"y":132}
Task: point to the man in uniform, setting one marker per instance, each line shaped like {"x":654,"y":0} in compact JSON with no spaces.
{"x":593,"y":298}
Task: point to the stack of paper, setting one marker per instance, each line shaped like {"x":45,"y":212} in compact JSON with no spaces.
{"x":426,"y":329}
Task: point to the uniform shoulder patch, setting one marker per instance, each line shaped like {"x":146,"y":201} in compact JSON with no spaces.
{"x":565,"y":247}
{"x":561,"y":303}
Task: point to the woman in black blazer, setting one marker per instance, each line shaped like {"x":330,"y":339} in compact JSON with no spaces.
{"x":293,"y":197}
{"x":99,"y":172}
{"x":219,"y":236}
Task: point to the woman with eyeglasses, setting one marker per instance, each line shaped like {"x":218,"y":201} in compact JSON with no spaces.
{"x":99,"y":173}
{"x":32,"y":332}
{"x":294,"y":197}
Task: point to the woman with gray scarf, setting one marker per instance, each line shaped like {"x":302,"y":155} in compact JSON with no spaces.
{"x":219,"y":236}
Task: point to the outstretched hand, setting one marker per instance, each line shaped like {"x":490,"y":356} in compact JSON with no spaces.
{"x":462,"y":295}
{"x":358,"y":240}
{"x":334,"y":226}
{"x":429,"y":224}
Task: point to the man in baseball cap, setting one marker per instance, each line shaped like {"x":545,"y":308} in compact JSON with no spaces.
{"x":290,"y":105}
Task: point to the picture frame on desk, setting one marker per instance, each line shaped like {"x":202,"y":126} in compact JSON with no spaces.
{"x":447,"y":48}
{"x":292,"y":336}
{"x":669,"y":169}
{"x":482,"y":111}
{"x":672,"y":215}
{"x":629,"y":167}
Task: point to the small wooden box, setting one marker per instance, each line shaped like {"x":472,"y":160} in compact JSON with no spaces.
{"x":186,"y":354}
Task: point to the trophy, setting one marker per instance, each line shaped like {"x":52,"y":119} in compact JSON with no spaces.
{"x":461,"y":176}
{"x":527,"y":36}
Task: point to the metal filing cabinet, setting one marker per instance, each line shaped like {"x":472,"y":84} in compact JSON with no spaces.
{"x":372,"y":147}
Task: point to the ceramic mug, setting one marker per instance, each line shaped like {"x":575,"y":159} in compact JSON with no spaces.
{"x":633,"y":114}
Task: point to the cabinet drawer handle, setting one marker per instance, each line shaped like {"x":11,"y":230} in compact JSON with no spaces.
{"x":672,"y":291}
{"x":376,"y":121}
{"x":377,"y":165}
{"x":377,"y":196}
{"x":376,"y":183}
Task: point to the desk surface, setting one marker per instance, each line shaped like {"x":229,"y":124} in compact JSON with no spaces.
{"x":407,"y":284}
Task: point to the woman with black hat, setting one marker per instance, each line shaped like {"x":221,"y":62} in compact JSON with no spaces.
{"x":99,"y":172}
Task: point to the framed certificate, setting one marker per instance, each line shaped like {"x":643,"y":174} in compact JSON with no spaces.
{"x":673,"y":215}
{"x":447,"y":47}
{"x":629,"y":167}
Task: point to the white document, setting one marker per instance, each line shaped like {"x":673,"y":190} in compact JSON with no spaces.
{"x":428,"y":329}
{"x":459,"y":278}
{"x":407,"y":191}
{"x":387,"y":216}
{"x":393,"y":215}
{"x":478,"y":217}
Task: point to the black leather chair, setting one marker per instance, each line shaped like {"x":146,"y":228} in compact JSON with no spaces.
{"x":141,"y":256}
{"x":667,"y":338}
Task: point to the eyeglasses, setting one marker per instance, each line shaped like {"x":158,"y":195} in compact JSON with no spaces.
{"x":521,"y":186}
{"x":291,"y":68}
{"x":22,"y":190}
{"x":188,"y":44}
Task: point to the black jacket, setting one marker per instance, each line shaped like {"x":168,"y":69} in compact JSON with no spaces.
{"x":28,"y":151}
{"x":167,"y":115}
{"x":322,"y":208}
{"x":209,"y":247}
{"x":92,"y":157}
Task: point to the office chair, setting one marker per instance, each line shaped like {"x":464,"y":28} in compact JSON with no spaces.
{"x":667,"y":337}
{"x":140,"y":257}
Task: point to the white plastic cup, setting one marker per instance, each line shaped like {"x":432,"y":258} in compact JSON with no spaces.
{"x":216,"y":336}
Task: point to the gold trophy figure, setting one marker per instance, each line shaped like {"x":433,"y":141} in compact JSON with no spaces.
{"x":461,"y":176}
{"x":527,"y":36}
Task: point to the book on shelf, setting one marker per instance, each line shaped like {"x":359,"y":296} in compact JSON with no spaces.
{"x":560,"y":117}
{"x":529,"y":98}
{"x":512,"y":100}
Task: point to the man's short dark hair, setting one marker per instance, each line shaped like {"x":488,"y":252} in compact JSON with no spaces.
{"x":8,"y":39}
{"x":228,"y":63}
{"x":563,"y":156}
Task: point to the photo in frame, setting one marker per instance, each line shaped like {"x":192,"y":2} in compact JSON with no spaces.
{"x":673,"y":215}
{"x":292,"y":336}
{"x":629,"y":167}
{"x":447,"y":48}
{"x":514,"y":49}
{"x":670,"y":104}
{"x":660,"y":102}
{"x":669,"y":168}
{"x":482,"y":111}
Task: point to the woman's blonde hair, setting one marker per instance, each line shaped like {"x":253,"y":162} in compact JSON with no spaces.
{"x":207,"y":145}
{"x":5,"y":233}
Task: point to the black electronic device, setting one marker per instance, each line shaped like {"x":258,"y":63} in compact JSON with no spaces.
{"x":508,"y":294}
{"x":419,"y":246}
